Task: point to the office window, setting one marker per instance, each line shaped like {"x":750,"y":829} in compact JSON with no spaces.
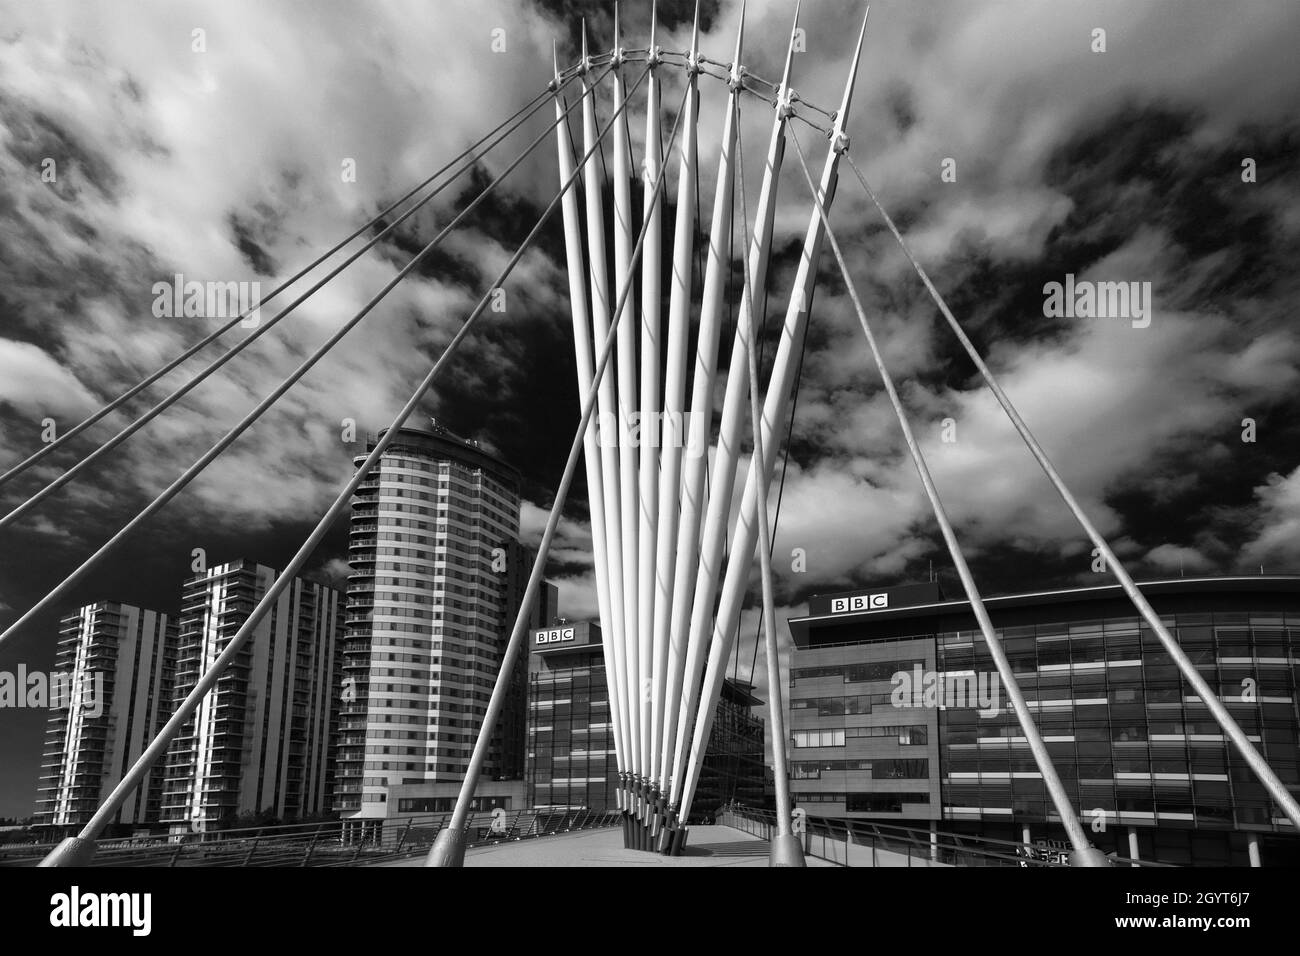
{"x":819,"y":738}
{"x":882,"y":802}
{"x":879,"y":670}
{"x":812,"y":673}
{"x":900,"y":769}
{"x":910,"y":735}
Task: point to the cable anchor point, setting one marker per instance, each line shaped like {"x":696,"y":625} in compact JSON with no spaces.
{"x":785,"y":100}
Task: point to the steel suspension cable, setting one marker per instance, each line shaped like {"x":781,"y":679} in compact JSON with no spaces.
{"x":1211,"y":700}
{"x":179,"y":393}
{"x":529,"y":109}
{"x":1051,"y":779}
{"x":172,"y":490}
{"x":74,"y":849}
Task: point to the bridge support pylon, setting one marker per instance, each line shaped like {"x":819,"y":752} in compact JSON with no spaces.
{"x":448,"y":848}
{"x":72,"y":851}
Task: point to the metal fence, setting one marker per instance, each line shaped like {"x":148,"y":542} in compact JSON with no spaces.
{"x":866,"y":843}
{"x":331,"y":843}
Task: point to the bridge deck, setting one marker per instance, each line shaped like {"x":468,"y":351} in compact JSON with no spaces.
{"x":708,"y":846}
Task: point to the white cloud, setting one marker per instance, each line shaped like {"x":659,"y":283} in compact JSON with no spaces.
{"x":158,"y":146}
{"x":1171,"y":557}
{"x":1278,"y":539}
{"x":33,"y":380}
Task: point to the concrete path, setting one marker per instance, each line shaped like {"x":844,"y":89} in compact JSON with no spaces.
{"x":707,"y":846}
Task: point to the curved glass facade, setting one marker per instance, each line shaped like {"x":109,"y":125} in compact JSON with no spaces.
{"x":432,"y":594}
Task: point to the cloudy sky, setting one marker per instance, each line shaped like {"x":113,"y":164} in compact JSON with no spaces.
{"x":220,"y":156}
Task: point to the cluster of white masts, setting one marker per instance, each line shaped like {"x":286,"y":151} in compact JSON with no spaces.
{"x":670,"y":614}
{"x":659,"y":520}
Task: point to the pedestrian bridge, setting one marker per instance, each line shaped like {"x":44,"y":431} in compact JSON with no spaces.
{"x":739,"y":836}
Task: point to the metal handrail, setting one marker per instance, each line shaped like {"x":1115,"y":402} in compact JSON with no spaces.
{"x":915,"y":843}
{"x":325,"y":843}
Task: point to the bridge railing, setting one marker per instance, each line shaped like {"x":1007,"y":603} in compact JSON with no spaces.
{"x":329,"y":843}
{"x":851,"y":842}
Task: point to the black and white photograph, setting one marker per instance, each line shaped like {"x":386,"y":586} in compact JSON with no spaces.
{"x":654,"y":435}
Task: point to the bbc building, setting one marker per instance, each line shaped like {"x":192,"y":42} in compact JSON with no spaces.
{"x":571,"y":760}
{"x":897,"y":715}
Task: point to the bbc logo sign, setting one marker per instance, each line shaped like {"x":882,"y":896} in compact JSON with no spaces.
{"x":556,"y":635}
{"x":859,"y":602}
